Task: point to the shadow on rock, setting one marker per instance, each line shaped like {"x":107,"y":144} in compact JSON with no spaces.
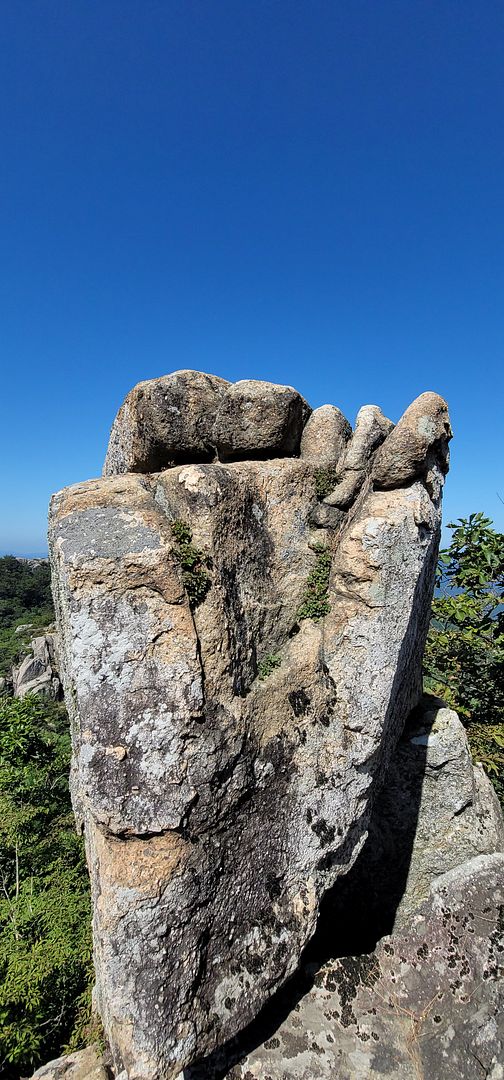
{"x":357,"y":912}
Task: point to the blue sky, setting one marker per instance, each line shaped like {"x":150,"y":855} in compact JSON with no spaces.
{"x":308,"y":192}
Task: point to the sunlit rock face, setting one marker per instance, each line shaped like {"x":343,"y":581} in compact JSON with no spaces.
{"x":239,"y":653}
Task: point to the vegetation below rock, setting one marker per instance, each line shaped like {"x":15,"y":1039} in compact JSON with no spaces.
{"x":464,"y":656}
{"x":25,"y":597}
{"x":45,"y":933}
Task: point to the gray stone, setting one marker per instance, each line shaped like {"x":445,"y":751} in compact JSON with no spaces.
{"x":435,"y":796}
{"x":325,"y":436}
{"x":165,"y":421}
{"x":226,"y":753}
{"x":36,"y":674}
{"x":346,"y":490}
{"x":191,"y":417}
{"x":419,"y":442}
{"x":371,"y":429}
{"x":428,"y":1003}
{"x":84,"y":1064}
{"x":258,"y":419}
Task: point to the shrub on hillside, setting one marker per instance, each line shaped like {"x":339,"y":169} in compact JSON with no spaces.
{"x":45,"y":939}
{"x":464,"y":656}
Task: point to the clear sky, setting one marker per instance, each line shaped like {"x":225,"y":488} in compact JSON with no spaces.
{"x":304,"y":191}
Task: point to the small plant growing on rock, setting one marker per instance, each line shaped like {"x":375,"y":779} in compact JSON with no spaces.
{"x":267,"y":665}
{"x":325,"y":481}
{"x":315,"y":603}
{"x":193,"y":563}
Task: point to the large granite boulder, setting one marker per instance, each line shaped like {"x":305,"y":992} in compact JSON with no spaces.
{"x":259,"y":419}
{"x":371,"y":429}
{"x":435,"y":812}
{"x":237,"y":680}
{"x":165,"y":421}
{"x":419,"y":441}
{"x":191,"y":417}
{"x":325,"y":436}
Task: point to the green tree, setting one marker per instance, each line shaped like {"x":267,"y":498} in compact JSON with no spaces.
{"x":25,"y":590}
{"x":464,"y":656}
{"x":45,"y":940}
{"x":25,"y":598}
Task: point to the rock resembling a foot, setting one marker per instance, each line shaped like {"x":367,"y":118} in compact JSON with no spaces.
{"x":236,"y":688}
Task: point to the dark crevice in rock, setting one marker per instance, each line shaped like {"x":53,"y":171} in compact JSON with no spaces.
{"x":253,"y":455}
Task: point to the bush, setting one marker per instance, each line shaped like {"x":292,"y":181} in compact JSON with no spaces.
{"x":315,"y":602}
{"x":25,"y":597}
{"x":193,"y":562}
{"x":464,"y":656}
{"x":25,"y":591}
{"x":45,"y":938}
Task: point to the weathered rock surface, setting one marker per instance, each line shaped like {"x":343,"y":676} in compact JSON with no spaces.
{"x":257,"y":419}
{"x":435,"y":812}
{"x":83,"y":1065}
{"x":428,"y":1003}
{"x":37,"y":674}
{"x":433,"y":820}
{"x":165,"y":421}
{"x":236,"y":692}
{"x":191,"y":417}
{"x":419,"y":441}
{"x":325,"y":436}
{"x":371,"y":429}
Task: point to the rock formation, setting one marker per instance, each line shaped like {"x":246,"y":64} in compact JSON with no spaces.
{"x":37,"y":674}
{"x":404,"y":976}
{"x":239,"y":652}
{"x":83,"y":1065}
{"x":426,"y":1004}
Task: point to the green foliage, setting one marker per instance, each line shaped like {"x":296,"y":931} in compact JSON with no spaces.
{"x":268,"y":664}
{"x":13,"y":647}
{"x":193,"y":563}
{"x":25,"y":591}
{"x":464,"y":656}
{"x":487,"y":746}
{"x":465,"y":648}
{"x":315,"y":603}
{"x":25,"y":597}
{"x":45,"y":939}
{"x":325,"y":481}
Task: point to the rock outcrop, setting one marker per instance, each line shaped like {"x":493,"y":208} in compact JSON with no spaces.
{"x":37,"y":672}
{"x":238,"y":661}
{"x":427,"y":1003}
{"x":404,"y":975}
{"x":82,"y":1065}
{"x":436,"y":812}
{"x":421,"y":996}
